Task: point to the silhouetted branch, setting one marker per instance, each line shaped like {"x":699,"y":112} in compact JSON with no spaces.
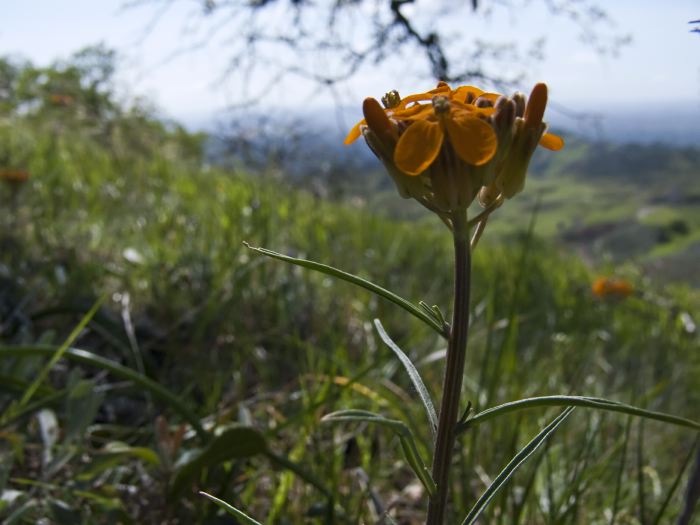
{"x":330,"y":42}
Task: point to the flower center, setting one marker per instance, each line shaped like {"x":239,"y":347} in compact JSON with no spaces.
{"x":441,"y":105}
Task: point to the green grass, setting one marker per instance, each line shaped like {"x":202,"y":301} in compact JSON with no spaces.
{"x":261,"y":350}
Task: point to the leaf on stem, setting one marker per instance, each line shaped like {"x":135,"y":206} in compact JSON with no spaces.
{"x":513,"y":465}
{"x":408,"y":442}
{"x":414,"y":375}
{"x":358,"y":281}
{"x":581,"y":401}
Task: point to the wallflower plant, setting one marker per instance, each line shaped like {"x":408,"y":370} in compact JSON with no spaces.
{"x":447,"y":148}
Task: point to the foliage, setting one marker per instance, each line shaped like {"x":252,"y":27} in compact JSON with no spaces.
{"x":119,"y":204}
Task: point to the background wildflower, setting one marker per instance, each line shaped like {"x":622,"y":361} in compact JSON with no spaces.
{"x":611,"y":288}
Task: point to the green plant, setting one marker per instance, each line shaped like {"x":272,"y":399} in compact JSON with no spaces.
{"x":443,"y":154}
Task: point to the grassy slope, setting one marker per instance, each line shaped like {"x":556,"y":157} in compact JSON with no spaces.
{"x":246,"y":339}
{"x":614,"y":203}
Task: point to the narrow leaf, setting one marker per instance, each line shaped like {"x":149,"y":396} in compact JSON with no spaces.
{"x":59,"y":353}
{"x":114,"y":368}
{"x":406,"y":439}
{"x":674,"y":485}
{"x":580,"y":401}
{"x":411,"y":308}
{"x":514,"y":464}
{"x":233,"y":511}
{"x":236,"y":442}
{"x":414,"y":375}
{"x":302,"y":473}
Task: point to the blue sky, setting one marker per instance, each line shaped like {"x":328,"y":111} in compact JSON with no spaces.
{"x":660,"y":68}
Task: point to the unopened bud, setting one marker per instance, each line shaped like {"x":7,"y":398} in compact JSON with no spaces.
{"x":378,"y":122}
{"x":488,"y":195}
{"x":504,"y":116}
{"x":534,"y":112}
{"x":483,"y":102}
{"x":391,"y":99}
{"x":519,"y":100}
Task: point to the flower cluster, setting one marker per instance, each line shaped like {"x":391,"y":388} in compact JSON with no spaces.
{"x":446,"y":146}
{"x":609,"y":288}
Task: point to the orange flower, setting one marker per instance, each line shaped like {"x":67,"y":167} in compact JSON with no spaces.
{"x":443,"y":146}
{"x":60,"y":100}
{"x":14,"y":176}
{"x":611,"y":288}
{"x":462,"y":98}
{"x":472,"y":138}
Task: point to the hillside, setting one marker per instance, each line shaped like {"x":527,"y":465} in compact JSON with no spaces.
{"x":209,"y":366}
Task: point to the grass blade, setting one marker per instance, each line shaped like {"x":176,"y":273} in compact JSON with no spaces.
{"x":117,"y":370}
{"x":233,"y":511}
{"x":641,"y":494}
{"x":414,"y":375}
{"x":236,"y":442}
{"x":514,"y":464}
{"x":59,"y":353}
{"x":411,"y":308}
{"x":620,"y":472}
{"x":408,"y":443}
{"x":674,"y":485}
{"x":692,"y":493}
{"x":578,"y":401}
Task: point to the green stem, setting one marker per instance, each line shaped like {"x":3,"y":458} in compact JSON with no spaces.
{"x":454,"y":371}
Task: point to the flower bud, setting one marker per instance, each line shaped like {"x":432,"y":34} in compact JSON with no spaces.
{"x":519,"y":100}
{"x":488,"y":195}
{"x":391,"y":99}
{"x":378,"y":122}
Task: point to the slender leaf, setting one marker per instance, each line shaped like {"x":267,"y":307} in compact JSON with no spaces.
{"x":692,"y":493}
{"x":233,"y":511}
{"x":117,"y":370}
{"x":411,"y":308}
{"x":513,"y":465}
{"x":236,"y":442}
{"x":641,"y":493}
{"x":675,"y":484}
{"x":59,"y":353}
{"x":414,"y":375}
{"x":621,"y":471}
{"x":579,"y":401}
{"x":407,"y":441}
{"x":301,"y":472}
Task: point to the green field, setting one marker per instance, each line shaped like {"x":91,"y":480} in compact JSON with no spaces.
{"x":246,"y":354}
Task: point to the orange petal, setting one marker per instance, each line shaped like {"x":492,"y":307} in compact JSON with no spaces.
{"x":471,"y":108}
{"x":418,"y":147}
{"x":441,"y":89}
{"x":462,"y":92}
{"x":376,"y":119}
{"x":551,"y":141}
{"x":534,"y":111}
{"x":472,"y":138}
{"x":354,"y":133}
{"x":417,"y":112}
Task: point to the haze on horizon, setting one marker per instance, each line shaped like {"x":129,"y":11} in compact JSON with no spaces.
{"x":658,"y":71}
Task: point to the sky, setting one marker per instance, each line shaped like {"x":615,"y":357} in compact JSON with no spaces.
{"x":659,"y":69}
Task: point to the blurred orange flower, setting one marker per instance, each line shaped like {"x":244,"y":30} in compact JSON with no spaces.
{"x":61,"y":100}
{"x":11,"y":176}
{"x":611,"y":288}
